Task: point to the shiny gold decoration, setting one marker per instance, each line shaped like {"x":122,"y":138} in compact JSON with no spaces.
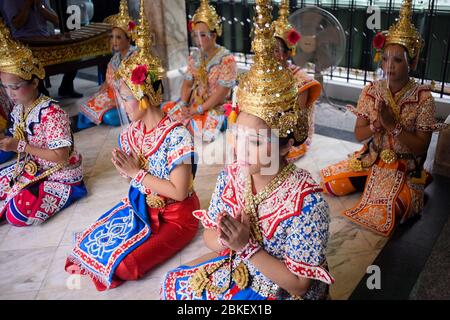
{"x":16,"y":58}
{"x":355,"y":164}
{"x":122,"y":19}
{"x":31,"y":168}
{"x":208,"y":15}
{"x":200,"y":281}
{"x":241,"y":276}
{"x":154,"y":201}
{"x":268,"y":90}
{"x":201,"y":77}
{"x":252,"y":201}
{"x":97,"y":45}
{"x":404,"y":33}
{"x":393,"y":102}
{"x":388,"y":156}
{"x":282,"y":26}
{"x":145,"y":57}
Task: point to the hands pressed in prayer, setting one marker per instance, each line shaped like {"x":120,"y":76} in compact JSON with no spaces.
{"x":386,"y":117}
{"x":235,"y":233}
{"x":8,"y":144}
{"x":126,"y":164}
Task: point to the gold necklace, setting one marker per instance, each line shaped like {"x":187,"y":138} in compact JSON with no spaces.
{"x":253,"y":201}
{"x":393,"y":102}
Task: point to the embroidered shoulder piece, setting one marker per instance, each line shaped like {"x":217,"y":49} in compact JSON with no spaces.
{"x":134,"y":138}
{"x":283,"y":203}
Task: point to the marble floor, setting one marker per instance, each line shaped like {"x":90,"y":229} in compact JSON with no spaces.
{"x":32,"y":259}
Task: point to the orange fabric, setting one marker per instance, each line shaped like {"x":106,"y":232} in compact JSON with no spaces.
{"x":296,"y":152}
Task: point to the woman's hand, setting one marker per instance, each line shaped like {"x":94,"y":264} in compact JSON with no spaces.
{"x":386,"y":117}
{"x":235,"y":233}
{"x":126,"y":164}
{"x":8,"y":144}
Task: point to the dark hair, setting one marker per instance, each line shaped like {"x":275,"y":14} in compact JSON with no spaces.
{"x":283,"y":45}
{"x":285,"y":141}
{"x":157,"y":85}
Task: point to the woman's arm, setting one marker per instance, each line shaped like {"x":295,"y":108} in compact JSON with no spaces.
{"x":186,"y":90}
{"x":216,"y":98}
{"x":211,"y":237}
{"x":58,"y":155}
{"x":362,"y":129}
{"x":53,"y":155}
{"x":177,"y":188}
{"x":277,"y":271}
{"x":48,"y":14}
{"x":236,"y":235}
{"x":21,"y":18}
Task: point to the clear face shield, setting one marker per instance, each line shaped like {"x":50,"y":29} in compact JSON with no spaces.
{"x":124,"y":98}
{"x":251,"y":147}
{"x":390,"y":67}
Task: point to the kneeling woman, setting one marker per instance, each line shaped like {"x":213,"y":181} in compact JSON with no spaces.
{"x":268,"y":230}
{"x":47,"y":176}
{"x":155,"y":221}
{"x":102,"y":108}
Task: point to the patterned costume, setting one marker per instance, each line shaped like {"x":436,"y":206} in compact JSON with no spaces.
{"x":145,"y":228}
{"x":47,"y":127}
{"x":221,"y":71}
{"x":294,"y":223}
{"x":207,"y":74}
{"x":102,"y":107}
{"x":132,"y":238}
{"x":286,"y":32}
{"x":393,"y":192}
{"x":5,"y":109}
{"x":305,"y":83}
{"x":33,"y":189}
{"x":288,"y":218}
{"x":391,"y":175}
{"x":104,"y":101}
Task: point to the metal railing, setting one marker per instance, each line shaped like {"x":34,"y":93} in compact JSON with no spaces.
{"x":432,"y":18}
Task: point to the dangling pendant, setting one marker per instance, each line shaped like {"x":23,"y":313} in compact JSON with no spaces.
{"x":31,"y":168}
{"x":355,"y":164}
{"x":154,"y":201}
{"x":19,"y":134}
{"x":388,"y":156}
{"x":240,"y":276}
{"x":199,"y":281}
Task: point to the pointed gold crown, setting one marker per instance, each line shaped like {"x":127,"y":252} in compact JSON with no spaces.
{"x":283,"y":27}
{"x":142,"y":69}
{"x":16,"y":58}
{"x":404,"y":32}
{"x":122,"y":19}
{"x":208,"y":15}
{"x":268,"y":90}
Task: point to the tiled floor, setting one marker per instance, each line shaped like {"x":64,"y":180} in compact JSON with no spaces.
{"x":37,"y":254}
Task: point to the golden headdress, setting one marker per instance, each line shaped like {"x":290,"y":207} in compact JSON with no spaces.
{"x":122,"y":20}
{"x":284,"y":30}
{"x":268,"y":90}
{"x":142,"y":69}
{"x":404,"y":32}
{"x":208,"y":15}
{"x":16,"y":58}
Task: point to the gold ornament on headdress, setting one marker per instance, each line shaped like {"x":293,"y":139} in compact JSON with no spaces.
{"x":143,"y":66}
{"x":283,"y":28}
{"x":122,"y":20}
{"x":269,"y":91}
{"x":208,"y":15}
{"x":16,"y":58}
{"x":404,"y":32}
